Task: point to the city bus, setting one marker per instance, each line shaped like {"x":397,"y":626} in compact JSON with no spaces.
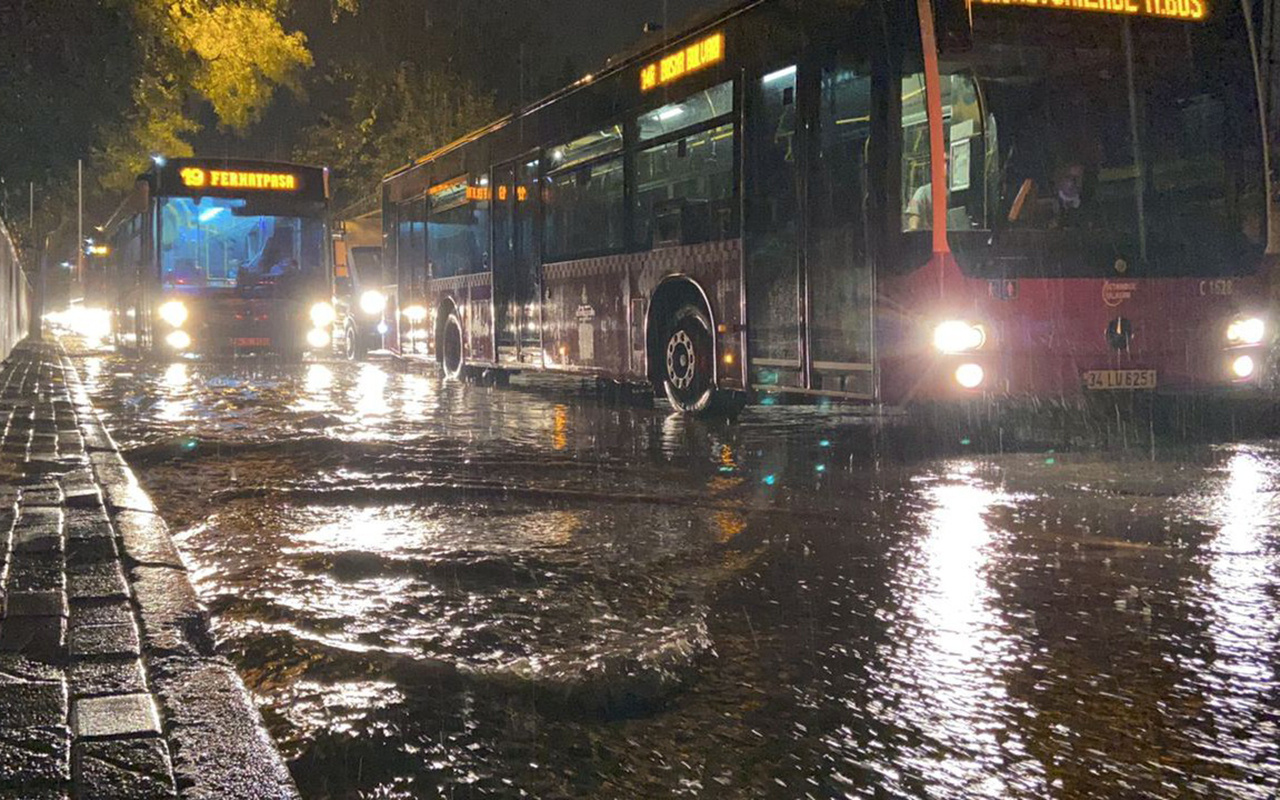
{"x":864,"y":200}
{"x":222,"y":256}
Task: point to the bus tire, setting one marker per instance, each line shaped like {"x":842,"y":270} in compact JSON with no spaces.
{"x":688,"y":361}
{"x":452,"y":358}
{"x":354,"y":349}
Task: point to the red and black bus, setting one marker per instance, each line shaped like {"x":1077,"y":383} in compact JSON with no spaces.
{"x":863,"y":199}
{"x":222,"y":256}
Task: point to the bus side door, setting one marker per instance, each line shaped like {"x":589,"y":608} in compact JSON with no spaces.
{"x":516,"y":261}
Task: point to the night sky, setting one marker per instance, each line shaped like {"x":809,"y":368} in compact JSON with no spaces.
{"x":577,"y":33}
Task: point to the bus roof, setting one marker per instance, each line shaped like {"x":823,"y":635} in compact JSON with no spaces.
{"x":629,"y":58}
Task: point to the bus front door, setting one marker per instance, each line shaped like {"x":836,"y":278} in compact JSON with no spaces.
{"x":772,"y":231}
{"x":839,"y":273}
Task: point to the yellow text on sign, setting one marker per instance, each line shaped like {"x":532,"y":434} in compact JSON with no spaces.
{"x":1166,"y":9}
{"x":673,"y":67}
{"x":197,"y":178}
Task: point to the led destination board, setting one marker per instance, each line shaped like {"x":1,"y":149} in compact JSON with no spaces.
{"x":687,"y":60}
{"x":1163,"y":9}
{"x":197,"y":178}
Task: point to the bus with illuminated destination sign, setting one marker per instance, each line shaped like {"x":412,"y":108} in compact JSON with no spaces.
{"x":223,"y":256}
{"x":867,"y":200}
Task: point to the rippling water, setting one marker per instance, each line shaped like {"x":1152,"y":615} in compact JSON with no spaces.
{"x":451,"y":590}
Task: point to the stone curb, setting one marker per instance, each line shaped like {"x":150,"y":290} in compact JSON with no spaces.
{"x":219,"y":745}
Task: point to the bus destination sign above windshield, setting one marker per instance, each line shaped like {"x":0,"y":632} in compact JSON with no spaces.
{"x":199,"y":178}
{"x":1162,"y":9}
{"x":685,"y":61}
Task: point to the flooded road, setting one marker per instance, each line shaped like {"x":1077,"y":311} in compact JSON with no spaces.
{"x":447,"y":590}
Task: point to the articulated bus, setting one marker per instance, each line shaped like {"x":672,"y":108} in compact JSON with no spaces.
{"x":865,"y":200}
{"x":220,"y":256}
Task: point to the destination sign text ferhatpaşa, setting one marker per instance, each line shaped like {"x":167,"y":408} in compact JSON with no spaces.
{"x":196,"y":178}
{"x":671,"y":68}
{"x":1164,"y":9}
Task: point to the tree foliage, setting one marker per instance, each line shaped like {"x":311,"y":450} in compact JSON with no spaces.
{"x":388,"y":121}
{"x":232,"y":54}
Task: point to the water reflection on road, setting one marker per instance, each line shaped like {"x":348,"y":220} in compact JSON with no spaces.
{"x":442,"y":589}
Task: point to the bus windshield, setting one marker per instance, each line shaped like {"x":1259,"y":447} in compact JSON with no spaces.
{"x":220,"y":243}
{"x":1120,"y":146}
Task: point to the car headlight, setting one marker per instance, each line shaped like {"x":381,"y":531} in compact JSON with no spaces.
{"x":178,"y":340}
{"x":318,"y":339}
{"x":174,"y":312}
{"x":373,"y":301}
{"x":322,"y":314}
{"x":957,"y":336}
{"x":1246,"y":330}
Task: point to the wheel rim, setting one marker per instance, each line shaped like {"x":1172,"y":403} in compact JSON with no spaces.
{"x":682,"y":363}
{"x":351,"y":343}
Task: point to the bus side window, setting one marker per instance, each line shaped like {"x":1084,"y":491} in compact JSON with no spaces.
{"x":965,"y":151}
{"x":583,"y":196}
{"x":685,"y":180}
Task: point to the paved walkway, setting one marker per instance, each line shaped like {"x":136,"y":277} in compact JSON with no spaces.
{"x":108,"y":683}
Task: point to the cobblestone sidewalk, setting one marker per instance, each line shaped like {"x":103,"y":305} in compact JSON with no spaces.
{"x":108,"y":683}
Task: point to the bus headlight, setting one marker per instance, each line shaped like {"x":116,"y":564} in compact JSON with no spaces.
{"x":970,"y":376}
{"x":373,"y":302}
{"x":1246,"y":330}
{"x":317,"y":339}
{"x":958,"y":336}
{"x":1243,"y":367}
{"x":322,"y":314}
{"x":174,"y":312}
{"x":178,"y":340}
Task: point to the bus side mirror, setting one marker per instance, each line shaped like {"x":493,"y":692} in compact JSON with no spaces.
{"x":953,"y":20}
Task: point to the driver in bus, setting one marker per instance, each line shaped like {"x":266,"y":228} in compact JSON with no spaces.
{"x":919,"y":211}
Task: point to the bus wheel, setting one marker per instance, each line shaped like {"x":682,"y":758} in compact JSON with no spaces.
{"x":688,"y":361}
{"x":451,"y":347}
{"x":353,"y":347}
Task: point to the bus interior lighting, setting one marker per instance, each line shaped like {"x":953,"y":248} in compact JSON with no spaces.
{"x":210,"y":213}
{"x":670,"y":113}
{"x":773,"y":77}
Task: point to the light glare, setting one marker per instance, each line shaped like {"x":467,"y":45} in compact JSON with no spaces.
{"x":322,"y":314}
{"x":969,"y":376}
{"x":1243,"y":367}
{"x":373,"y":301}
{"x":178,"y":340}
{"x":957,"y":336}
{"x":174,"y":312}
{"x":1249,"y":330}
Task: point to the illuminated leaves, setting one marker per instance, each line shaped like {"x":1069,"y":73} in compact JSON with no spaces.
{"x":233,"y":54}
{"x":243,"y":55}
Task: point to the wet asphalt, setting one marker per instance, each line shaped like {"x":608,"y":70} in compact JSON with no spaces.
{"x":449,"y":590}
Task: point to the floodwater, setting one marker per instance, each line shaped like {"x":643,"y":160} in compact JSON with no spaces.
{"x":448,"y":590}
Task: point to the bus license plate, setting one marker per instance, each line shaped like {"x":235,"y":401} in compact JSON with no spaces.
{"x":1120,"y":379}
{"x":252,"y":342}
